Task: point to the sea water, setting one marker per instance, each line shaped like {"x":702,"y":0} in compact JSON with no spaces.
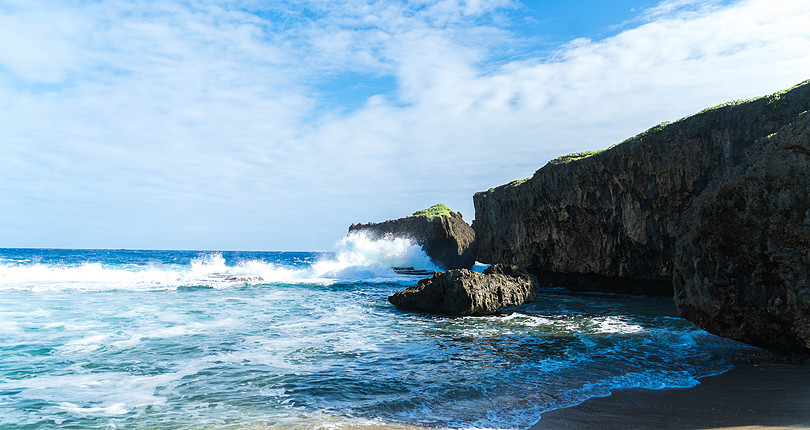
{"x":230,"y":340}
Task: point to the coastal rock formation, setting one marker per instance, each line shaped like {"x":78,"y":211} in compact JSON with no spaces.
{"x":442,"y":233}
{"x":742,"y":266}
{"x":464,"y":292}
{"x":608,"y":221}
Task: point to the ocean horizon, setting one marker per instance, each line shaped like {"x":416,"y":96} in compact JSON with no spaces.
{"x":259,"y":339}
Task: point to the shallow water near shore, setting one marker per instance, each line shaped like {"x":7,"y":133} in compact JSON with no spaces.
{"x":200,"y":339}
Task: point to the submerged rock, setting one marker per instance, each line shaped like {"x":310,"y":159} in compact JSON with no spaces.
{"x":442,"y":234}
{"x":607,"y":221}
{"x":742,"y":263}
{"x":464,"y":292}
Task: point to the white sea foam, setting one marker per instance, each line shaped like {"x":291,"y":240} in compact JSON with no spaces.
{"x":605,"y":324}
{"x":360,"y":257}
{"x":114,"y":409}
{"x":93,"y":394}
{"x":85,"y":344}
{"x":87,"y":276}
{"x":357,"y":258}
{"x":615,"y":324}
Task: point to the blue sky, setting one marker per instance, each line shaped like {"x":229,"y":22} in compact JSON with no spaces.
{"x":204,"y":124}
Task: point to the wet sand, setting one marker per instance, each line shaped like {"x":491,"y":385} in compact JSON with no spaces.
{"x":750,"y":396}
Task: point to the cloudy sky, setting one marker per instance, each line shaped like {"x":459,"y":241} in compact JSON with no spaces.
{"x":273,"y":125}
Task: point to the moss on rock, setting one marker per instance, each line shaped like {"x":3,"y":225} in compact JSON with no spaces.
{"x":433,"y":212}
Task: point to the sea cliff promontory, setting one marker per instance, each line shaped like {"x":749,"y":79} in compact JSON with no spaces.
{"x":442,"y":233}
{"x":742,"y":263}
{"x":725,"y":191}
{"x":609,"y":220}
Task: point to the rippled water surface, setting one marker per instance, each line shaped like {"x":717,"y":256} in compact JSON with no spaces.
{"x":181,"y":339}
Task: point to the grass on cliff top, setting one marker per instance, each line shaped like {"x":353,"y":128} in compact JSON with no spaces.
{"x":650,"y":131}
{"x":574,"y":157}
{"x":512,"y":184}
{"x":774,"y":101}
{"x":433,"y":212}
{"x":517,"y":182}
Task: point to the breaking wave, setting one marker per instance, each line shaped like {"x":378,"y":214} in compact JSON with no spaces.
{"x":357,"y":258}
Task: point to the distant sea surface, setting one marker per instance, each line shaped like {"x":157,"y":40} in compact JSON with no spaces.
{"x":228,"y":340}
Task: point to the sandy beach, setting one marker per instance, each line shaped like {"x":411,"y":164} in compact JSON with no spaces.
{"x":753,"y":395}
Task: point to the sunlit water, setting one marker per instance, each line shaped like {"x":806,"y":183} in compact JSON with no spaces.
{"x":162,"y":339}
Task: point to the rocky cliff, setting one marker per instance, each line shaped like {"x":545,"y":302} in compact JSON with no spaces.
{"x":742,"y":264}
{"x":609,"y":220}
{"x":442,"y":234}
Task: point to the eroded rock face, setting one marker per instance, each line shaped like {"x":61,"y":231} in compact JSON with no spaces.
{"x":742,"y":263}
{"x":608,"y":222}
{"x":447,"y":240}
{"x":464,"y":292}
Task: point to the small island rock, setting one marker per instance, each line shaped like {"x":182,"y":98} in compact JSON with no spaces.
{"x":463,"y":292}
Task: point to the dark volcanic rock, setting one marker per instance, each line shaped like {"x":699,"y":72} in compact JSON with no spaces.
{"x":743,"y":253}
{"x":464,"y":292}
{"x":447,"y":239}
{"x":609,"y":221}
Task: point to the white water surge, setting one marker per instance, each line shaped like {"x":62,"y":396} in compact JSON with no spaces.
{"x":154,"y":339}
{"x":357,"y":258}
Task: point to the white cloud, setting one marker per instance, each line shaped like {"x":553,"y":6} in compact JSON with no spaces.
{"x":200,"y":124}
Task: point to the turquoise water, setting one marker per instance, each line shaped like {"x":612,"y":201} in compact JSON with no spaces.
{"x":164,"y":339}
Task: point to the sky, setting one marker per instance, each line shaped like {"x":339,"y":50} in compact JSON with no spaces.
{"x":274,"y":125}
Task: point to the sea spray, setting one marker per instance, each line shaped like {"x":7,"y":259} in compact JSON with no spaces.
{"x":360,"y":257}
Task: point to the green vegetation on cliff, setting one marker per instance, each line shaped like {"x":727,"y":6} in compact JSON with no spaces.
{"x":517,"y":182}
{"x":574,"y":157}
{"x":775,"y":101}
{"x":650,"y":131}
{"x":433,"y":212}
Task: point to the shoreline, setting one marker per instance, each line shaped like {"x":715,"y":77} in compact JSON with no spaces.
{"x":752,"y":395}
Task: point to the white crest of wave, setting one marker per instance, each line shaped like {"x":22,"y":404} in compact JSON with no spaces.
{"x":358,"y":258}
{"x":84,"y":276}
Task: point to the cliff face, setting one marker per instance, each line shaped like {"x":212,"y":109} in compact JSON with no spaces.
{"x":742,"y":265}
{"x":609,"y":221}
{"x":446,"y":239}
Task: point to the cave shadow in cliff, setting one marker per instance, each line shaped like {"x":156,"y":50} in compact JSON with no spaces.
{"x":605,"y":284}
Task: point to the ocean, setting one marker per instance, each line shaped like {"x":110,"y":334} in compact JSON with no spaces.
{"x":136,"y":339}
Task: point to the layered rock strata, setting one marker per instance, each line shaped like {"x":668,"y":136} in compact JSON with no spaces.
{"x":609,"y":221}
{"x":463,"y":292}
{"x":446,"y":239}
{"x":742,"y":264}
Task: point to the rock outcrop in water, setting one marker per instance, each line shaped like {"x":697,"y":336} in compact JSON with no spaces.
{"x":442,"y":234}
{"x":609,"y":221}
{"x":464,"y":292}
{"x":717,"y":204}
{"x":742,"y":265}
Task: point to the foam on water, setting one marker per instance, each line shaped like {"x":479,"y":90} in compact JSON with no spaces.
{"x":357,"y":258}
{"x":105,"y":343}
